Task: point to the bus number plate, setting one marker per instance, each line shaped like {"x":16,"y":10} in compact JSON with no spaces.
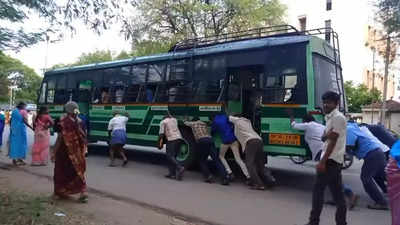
{"x":284,"y":139}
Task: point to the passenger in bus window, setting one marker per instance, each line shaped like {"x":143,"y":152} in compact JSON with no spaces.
{"x":105,"y":97}
{"x":222,"y":126}
{"x":253,"y":146}
{"x":119,"y":94}
{"x":149,"y":94}
{"x":117,"y":135}
{"x":329,"y":169}
{"x":206,"y":147}
{"x":169,"y":129}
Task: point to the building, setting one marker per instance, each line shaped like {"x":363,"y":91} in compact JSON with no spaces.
{"x":353,"y":27}
{"x":371,"y":114}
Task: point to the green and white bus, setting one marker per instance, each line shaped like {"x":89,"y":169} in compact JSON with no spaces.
{"x":260,"y":73}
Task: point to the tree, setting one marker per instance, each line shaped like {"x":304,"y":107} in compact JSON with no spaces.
{"x":359,"y":95}
{"x":14,"y":72}
{"x":97,"y":14}
{"x":170,"y":20}
{"x":149,"y":47}
{"x":389,"y":15}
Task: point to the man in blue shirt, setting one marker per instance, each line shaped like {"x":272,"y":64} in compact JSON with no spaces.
{"x":224,"y":128}
{"x":373,"y":169}
{"x":383,"y":135}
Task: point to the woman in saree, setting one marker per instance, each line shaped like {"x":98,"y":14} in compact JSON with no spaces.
{"x":41,"y":145}
{"x":393,"y":185}
{"x":18,"y":138}
{"x":69,"y":156}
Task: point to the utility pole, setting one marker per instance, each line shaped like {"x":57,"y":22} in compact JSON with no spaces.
{"x":383,"y":109}
{"x":373,"y":80}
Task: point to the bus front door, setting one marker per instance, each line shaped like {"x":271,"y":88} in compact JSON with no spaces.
{"x":244,"y":95}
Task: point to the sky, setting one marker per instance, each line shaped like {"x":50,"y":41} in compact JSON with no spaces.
{"x":84,"y":41}
{"x":70,"y":48}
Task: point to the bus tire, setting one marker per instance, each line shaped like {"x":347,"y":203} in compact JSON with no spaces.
{"x":298,"y":159}
{"x":187,"y":155}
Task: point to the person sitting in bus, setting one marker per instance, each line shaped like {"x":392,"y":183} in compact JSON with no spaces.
{"x":169,"y":130}
{"x":105,"y":97}
{"x":313,"y":133}
{"x":206,"y":147}
{"x":149,"y":94}
{"x":119,"y":94}
{"x":222,"y":126}
{"x":252,"y":146}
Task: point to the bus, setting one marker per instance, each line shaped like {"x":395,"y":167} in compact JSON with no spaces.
{"x":260,"y":73}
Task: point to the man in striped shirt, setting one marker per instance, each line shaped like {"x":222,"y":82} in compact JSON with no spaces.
{"x":206,"y":147}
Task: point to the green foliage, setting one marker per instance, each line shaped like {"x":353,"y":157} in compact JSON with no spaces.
{"x":176,"y":20}
{"x":97,"y":14}
{"x":359,"y":95}
{"x":14,"y":72}
{"x":389,"y":15}
{"x":94,"y":57}
{"x":147,"y":47}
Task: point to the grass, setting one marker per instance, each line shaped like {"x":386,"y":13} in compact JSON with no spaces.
{"x":18,"y":208}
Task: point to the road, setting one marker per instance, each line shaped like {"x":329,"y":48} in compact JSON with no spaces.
{"x":142,"y":183}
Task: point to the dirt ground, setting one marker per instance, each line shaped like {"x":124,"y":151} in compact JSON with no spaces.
{"x":26,"y":199}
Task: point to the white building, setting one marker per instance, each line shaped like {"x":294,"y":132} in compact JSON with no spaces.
{"x":350,"y":19}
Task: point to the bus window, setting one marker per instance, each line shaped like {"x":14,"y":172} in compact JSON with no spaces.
{"x":326,"y":79}
{"x":139,"y":74}
{"x":285,"y":76}
{"x":180,"y":91}
{"x":179,"y":70}
{"x":156,"y":72}
{"x":61,"y":93}
{"x":51,"y":85}
{"x":209,"y":74}
{"x":42,"y":97}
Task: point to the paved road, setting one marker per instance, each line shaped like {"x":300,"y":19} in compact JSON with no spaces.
{"x":142,"y":182}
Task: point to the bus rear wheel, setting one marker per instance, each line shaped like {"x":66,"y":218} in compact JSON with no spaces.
{"x":187,"y":155}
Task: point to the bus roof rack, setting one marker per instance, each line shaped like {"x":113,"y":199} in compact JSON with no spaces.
{"x":278,"y":30}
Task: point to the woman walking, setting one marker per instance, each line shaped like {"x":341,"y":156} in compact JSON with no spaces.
{"x":41,"y":145}
{"x":393,"y":185}
{"x":18,"y":138}
{"x":69,"y":156}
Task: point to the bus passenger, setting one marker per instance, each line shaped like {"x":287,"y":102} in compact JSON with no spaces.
{"x":253,"y":147}
{"x":117,"y":134}
{"x":119,"y":95}
{"x":105,"y":98}
{"x":206,"y":147}
{"x":169,"y":129}
{"x":329,"y":169}
{"x":224,"y":128}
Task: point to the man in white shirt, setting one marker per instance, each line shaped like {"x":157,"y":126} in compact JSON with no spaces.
{"x":169,"y":130}
{"x":313,"y":132}
{"x":117,"y":135}
{"x":329,"y":169}
{"x":252,"y":146}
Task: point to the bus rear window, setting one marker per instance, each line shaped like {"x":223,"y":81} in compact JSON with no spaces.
{"x":326,"y":79}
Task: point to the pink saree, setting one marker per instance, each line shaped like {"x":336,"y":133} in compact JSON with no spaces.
{"x":393,"y":177}
{"x":41,"y":145}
